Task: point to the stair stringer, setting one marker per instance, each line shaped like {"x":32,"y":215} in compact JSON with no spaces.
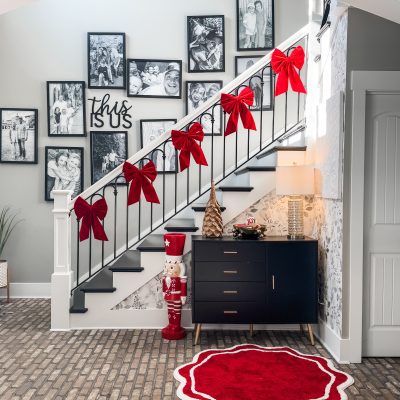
{"x":100,"y":306}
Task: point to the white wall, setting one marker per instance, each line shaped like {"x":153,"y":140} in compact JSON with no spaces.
{"x":46,"y":40}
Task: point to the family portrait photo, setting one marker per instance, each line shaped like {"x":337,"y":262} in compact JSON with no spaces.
{"x":154,"y":78}
{"x":255,"y":24}
{"x":151,"y":129}
{"x":206,"y":43}
{"x":18,"y":135}
{"x":197,"y":93}
{"x":244,"y":62}
{"x":107,"y":151}
{"x":64,"y":170}
{"x":66,"y":108}
{"x":106,"y":60}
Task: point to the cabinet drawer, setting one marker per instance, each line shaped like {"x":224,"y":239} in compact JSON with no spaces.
{"x":228,"y":251}
{"x":229,"y":312}
{"x":230,"y":271}
{"x":230,"y":291}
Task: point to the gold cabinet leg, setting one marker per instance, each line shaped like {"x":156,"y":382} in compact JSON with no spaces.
{"x":197,"y":330}
{"x":251,"y":330}
{"x":311,"y":334}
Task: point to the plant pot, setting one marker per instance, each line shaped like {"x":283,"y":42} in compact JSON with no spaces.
{"x":3,"y":273}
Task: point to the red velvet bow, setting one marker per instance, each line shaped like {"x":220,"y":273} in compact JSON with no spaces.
{"x":91,"y":215}
{"x":186,"y":143}
{"x":285,"y":67}
{"x":235,"y":105}
{"x":141,"y":179}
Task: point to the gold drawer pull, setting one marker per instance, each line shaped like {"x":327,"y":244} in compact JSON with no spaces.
{"x":230,"y":252}
{"x":230,"y":312}
{"x":230,"y":292}
{"x":230,"y":272}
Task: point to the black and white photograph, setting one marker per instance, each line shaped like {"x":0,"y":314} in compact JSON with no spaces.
{"x":106,"y":60}
{"x":66,"y":108}
{"x":107,"y":151}
{"x":155,"y":78}
{"x":255,"y":24}
{"x":64,"y":170}
{"x":197,"y":93}
{"x":19,"y":135}
{"x":206,"y":43}
{"x":151,"y":129}
{"x":244,"y":62}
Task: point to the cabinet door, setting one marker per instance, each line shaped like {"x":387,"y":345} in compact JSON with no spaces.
{"x":292,"y":282}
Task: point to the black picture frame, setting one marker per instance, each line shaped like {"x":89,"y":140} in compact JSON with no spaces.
{"x":13,"y":139}
{"x":269,"y":14}
{"x":206,"y":38}
{"x":155,"y":155}
{"x":95,"y":161}
{"x":255,"y":81}
{"x":141,"y":64}
{"x":65,"y":149}
{"x":83,"y":108}
{"x":92,"y":69}
{"x":218,"y":119}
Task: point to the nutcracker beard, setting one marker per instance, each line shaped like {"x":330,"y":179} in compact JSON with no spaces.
{"x":174,"y":289}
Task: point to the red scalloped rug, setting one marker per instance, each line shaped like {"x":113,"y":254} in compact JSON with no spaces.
{"x":250,"y":372}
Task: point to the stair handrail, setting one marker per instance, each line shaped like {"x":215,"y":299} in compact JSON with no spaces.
{"x":139,"y":155}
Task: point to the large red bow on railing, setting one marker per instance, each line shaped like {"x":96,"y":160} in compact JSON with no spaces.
{"x":141,"y":179}
{"x":91,"y":215}
{"x":285,"y":67}
{"x":235,"y":105}
{"x":186,"y":143}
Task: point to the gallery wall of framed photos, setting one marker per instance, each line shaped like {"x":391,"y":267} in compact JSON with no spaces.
{"x":60,"y":59}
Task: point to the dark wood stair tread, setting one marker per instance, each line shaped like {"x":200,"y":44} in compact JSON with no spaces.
{"x":78,"y":303}
{"x":181,"y":225}
{"x":202,"y":207}
{"x":100,"y":283}
{"x":235,"y":188}
{"x":128,"y":262}
{"x":255,"y":168}
{"x":281,"y":148}
{"x":153,"y":243}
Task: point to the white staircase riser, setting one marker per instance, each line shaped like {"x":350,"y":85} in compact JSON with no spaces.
{"x":237,"y":202}
{"x":288,"y":158}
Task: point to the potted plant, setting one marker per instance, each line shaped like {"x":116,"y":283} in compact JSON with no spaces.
{"x":7,"y":224}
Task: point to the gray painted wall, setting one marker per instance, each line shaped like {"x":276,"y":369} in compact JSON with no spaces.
{"x":47,"y":41}
{"x":372,"y":45}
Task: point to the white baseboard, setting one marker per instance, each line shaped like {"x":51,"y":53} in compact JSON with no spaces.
{"x":331,"y":341}
{"x":28,"y":290}
{"x":152,"y":319}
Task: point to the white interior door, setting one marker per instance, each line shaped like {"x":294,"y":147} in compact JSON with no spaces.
{"x":381,"y":311}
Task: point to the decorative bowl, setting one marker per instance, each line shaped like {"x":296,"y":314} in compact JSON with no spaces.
{"x":249,"y":231}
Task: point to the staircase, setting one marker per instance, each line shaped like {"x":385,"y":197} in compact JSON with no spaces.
{"x":90,"y":278}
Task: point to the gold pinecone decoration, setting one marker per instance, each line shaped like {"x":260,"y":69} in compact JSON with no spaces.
{"x":212,"y":222}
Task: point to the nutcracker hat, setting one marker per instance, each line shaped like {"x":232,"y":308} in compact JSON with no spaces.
{"x":174,"y":244}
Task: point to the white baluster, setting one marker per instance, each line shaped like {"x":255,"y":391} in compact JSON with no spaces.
{"x":61,"y":279}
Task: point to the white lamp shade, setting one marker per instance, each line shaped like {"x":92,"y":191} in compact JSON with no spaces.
{"x":294,"y":180}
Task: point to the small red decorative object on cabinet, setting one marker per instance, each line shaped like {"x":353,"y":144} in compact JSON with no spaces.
{"x":174,"y":285}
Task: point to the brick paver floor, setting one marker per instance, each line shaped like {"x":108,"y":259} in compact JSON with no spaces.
{"x":133,"y":364}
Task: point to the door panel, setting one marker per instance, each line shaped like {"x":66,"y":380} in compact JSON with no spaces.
{"x":381,"y":315}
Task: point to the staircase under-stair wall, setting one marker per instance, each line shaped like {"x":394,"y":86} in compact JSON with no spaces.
{"x":91,"y":278}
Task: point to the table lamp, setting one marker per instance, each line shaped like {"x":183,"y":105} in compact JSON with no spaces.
{"x":295,"y":181}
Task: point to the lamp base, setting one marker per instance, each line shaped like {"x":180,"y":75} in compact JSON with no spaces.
{"x":295,"y":218}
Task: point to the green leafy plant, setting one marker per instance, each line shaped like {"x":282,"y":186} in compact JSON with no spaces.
{"x":8,"y":223}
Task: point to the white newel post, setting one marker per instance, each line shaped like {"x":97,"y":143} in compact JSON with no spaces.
{"x":61,"y":279}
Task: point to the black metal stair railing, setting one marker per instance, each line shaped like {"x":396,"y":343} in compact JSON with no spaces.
{"x":127,"y":226}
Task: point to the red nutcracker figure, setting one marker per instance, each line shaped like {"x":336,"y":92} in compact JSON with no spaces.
{"x":174,"y":285}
